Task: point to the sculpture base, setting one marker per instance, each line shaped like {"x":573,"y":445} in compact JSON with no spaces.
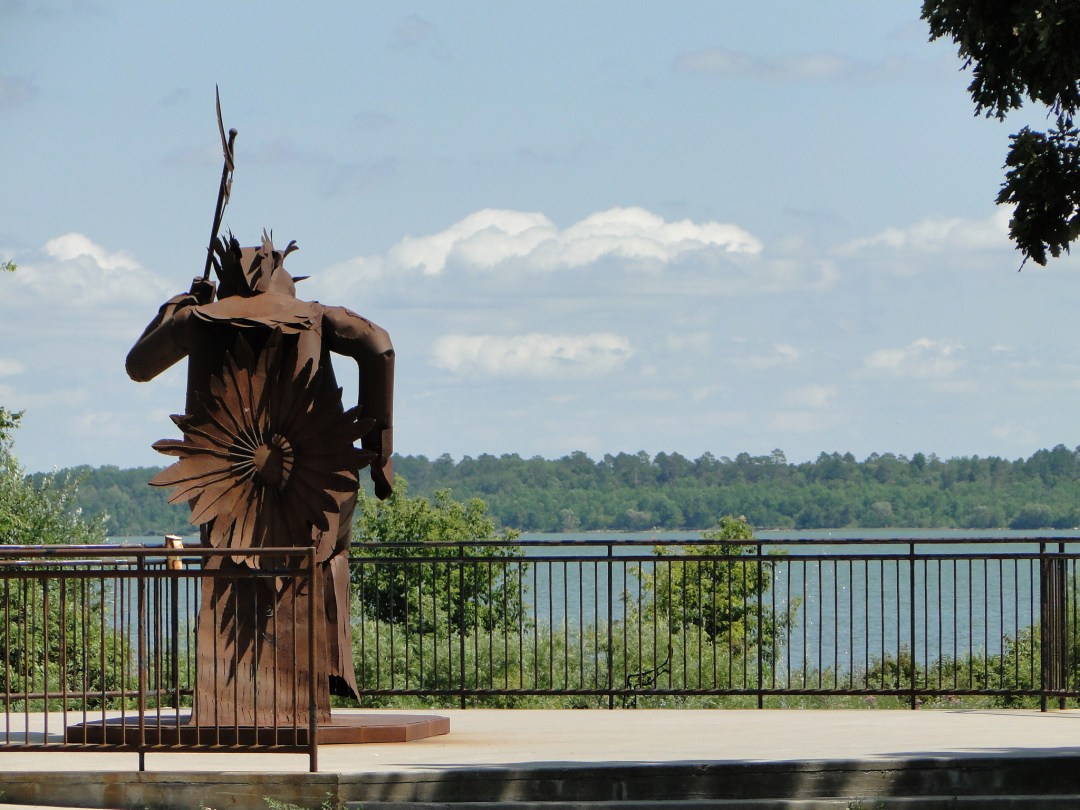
{"x":348,"y":729}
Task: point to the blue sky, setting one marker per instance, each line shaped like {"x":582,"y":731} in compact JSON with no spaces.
{"x":603,"y":227}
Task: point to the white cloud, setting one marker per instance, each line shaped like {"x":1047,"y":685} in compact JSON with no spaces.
{"x":72,"y":246}
{"x":532,"y":355}
{"x":780,"y":354}
{"x":923,"y":358}
{"x":491,"y":238}
{"x":76,"y":270}
{"x":10,"y":367}
{"x":935,"y":236}
{"x":813,"y":396}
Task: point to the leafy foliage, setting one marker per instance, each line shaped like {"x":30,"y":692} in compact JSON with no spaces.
{"x":1017,"y":51}
{"x":458,"y":593}
{"x":131,"y":505}
{"x":52,"y":636}
{"x":636,"y":491}
{"x":41,"y":512}
{"x":719,"y":588}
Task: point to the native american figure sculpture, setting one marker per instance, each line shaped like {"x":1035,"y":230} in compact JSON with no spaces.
{"x":267,"y":460}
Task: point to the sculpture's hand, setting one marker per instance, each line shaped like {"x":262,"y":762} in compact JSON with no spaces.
{"x":381,"y":442}
{"x":203,"y":289}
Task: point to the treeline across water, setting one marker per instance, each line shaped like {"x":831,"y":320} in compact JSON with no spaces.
{"x":636,"y":491}
{"x":670,"y":491}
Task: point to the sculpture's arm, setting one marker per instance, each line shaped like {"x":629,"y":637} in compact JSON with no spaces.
{"x":349,"y":334}
{"x":163,"y":341}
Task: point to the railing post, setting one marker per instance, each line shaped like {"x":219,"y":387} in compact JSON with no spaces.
{"x":1052,"y":626}
{"x":610,"y":625}
{"x":461,"y":620}
{"x":313,"y":715}
{"x":913,"y":670}
{"x":1063,"y":625}
{"x":142,"y":655}
{"x":760,"y":630}
{"x":1045,"y":634}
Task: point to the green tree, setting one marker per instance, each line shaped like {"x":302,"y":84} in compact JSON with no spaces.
{"x":45,"y":512}
{"x":52,"y":638}
{"x":1016,"y":51}
{"x":718,"y":588}
{"x":477,"y":586}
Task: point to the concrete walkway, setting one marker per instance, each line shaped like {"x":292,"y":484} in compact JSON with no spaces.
{"x":484,"y":737}
{"x":835,"y":752}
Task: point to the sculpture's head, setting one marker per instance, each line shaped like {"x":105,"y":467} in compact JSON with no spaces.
{"x":252,"y":270}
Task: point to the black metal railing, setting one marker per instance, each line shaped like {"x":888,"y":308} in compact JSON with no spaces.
{"x":623,"y":623}
{"x":99,"y":650}
{"x":94,"y":638}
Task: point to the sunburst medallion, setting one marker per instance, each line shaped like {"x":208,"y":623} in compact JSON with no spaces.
{"x":270,"y":457}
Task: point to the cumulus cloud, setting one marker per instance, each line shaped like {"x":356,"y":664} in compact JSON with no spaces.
{"x":87,"y":273}
{"x":813,"y":396}
{"x":10,"y":367}
{"x":532,"y":355}
{"x":726,"y":62}
{"x":923,"y":358}
{"x":491,"y":239}
{"x":780,"y":354}
{"x":935,"y":236}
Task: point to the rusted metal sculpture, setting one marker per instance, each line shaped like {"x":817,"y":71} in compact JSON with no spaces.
{"x":267,"y":460}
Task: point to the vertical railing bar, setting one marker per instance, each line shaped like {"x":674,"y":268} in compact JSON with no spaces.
{"x":911,"y":623}
{"x":670,"y":602}
{"x":866,"y":625}
{"x":820,"y":619}
{"x":760,"y":562}
{"x":971,"y":622}
{"x":835,"y":567}
{"x":490,"y":622}
{"x":7,"y":659}
{"x":1001,"y":623}
{"x":1061,"y":565}
{"x":772,"y":640}
{"x":521,"y":628}
{"x":852,"y":623}
{"x":551,"y":624}
{"x":745,"y":655}
{"x":536,"y":626}
{"x":313,"y":724}
{"x":461,"y":623}
{"x":610,"y":627}
{"x":506,"y":623}
{"x":698,"y":611}
{"x":63,"y":668}
{"x":581,"y":599}
{"x":787,"y":626}
{"x":405,"y":592}
{"x":625,"y":644}
{"x":1044,"y":626}
{"x":926,"y":620}
{"x":45,"y":580}
{"x":955,"y":595}
{"x":140,"y":565}
{"x":805,"y":660}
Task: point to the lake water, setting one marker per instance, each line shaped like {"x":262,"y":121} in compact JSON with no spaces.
{"x":850,"y":602}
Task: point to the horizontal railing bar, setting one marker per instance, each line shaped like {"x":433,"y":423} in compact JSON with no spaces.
{"x":757,"y":541}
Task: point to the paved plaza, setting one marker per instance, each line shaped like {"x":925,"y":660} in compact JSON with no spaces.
{"x":839,"y":752}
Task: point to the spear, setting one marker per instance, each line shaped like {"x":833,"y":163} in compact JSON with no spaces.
{"x":224,"y":188}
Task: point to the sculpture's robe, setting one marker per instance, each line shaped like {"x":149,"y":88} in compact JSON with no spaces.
{"x":250,"y":358}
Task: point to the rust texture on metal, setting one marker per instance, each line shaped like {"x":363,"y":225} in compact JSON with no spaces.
{"x":267,"y":459}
